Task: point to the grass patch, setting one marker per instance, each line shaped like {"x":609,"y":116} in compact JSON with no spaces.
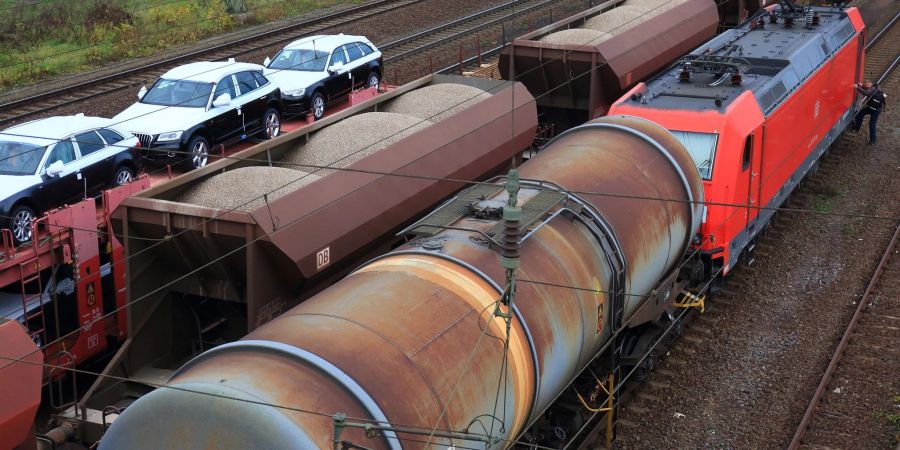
{"x":47,"y":38}
{"x":822,"y":203}
{"x":892,"y":417}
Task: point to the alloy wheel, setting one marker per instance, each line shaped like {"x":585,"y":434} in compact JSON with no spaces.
{"x":273,"y":125}
{"x":123,"y":177}
{"x":319,"y":106}
{"x":199,"y":154}
{"x":22,"y":226}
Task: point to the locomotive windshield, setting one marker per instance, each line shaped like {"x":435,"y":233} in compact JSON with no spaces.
{"x":702,"y":147}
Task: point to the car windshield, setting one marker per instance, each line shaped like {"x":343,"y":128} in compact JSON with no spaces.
{"x":300,"y":59}
{"x":20,"y":158}
{"x":702,"y":147}
{"x":192,"y":94}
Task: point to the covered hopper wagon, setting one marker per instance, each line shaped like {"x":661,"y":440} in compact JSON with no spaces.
{"x":577,"y":67}
{"x":262,"y":230}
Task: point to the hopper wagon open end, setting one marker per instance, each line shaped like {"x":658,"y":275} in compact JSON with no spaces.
{"x":577,"y":67}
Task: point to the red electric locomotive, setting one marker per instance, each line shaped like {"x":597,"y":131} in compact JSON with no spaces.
{"x":756,"y":107}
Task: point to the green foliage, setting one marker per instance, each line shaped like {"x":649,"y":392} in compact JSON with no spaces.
{"x":892,"y":417}
{"x":41,"y":39}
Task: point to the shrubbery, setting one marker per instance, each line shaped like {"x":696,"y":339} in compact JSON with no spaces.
{"x":45,"y":38}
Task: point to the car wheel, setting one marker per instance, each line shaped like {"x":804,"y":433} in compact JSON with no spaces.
{"x":317,"y":105}
{"x":271,"y":124}
{"x":124,"y":175}
{"x":198,"y":152}
{"x":20,"y":221}
{"x":373,"y":80}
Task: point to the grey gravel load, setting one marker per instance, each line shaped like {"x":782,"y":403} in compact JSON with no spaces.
{"x":242,"y":189}
{"x":617,"y":20}
{"x":437,"y":101}
{"x":653,"y":6}
{"x":576,"y":36}
{"x":352,"y":139}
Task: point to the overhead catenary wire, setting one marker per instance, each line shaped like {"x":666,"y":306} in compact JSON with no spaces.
{"x":296,"y":409}
{"x":539,"y":188}
{"x":216,"y":395}
{"x":455,"y":180}
{"x":741,"y":207}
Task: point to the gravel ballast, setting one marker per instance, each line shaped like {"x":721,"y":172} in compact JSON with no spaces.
{"x":352,"y":139}
{"x":437,"y":101}
{"x":242,"y":189}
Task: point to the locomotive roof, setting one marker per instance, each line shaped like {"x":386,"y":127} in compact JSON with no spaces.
{"x":773,"y":61}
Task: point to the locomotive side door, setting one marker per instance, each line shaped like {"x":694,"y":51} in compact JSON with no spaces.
{"x":751,"y":165}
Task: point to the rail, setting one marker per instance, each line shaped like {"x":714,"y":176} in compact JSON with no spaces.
{"x":884,"y":30}
{"x":864,"y":301}
{"x":845,"y":340}
{"x":55,"y":97}
{"x":533,"y":6}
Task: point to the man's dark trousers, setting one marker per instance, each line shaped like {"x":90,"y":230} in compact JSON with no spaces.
{"x":873,"y":120}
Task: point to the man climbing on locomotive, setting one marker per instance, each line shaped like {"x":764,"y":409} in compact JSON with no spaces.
{"x":874,"y":104}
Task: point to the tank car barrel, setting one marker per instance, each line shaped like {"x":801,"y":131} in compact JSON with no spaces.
{"x":411,"y":338}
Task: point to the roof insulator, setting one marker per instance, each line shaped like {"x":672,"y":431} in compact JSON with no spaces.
{"x":685,"y":74}
{"x":718,"y":102}
{"x":736,"y":79}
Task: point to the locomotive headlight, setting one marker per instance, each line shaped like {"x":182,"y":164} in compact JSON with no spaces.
{"x":169,"y":136}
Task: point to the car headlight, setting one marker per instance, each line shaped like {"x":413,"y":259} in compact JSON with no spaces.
{"x":169,"y":136}
{"x":295,"y":92}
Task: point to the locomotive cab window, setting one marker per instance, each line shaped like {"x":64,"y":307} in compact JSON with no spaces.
{"x":702,"y":147}
{"x":747,"y":156}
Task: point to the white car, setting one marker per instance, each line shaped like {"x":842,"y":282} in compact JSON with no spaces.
{"x":198,"y":105}
{"x":49,"y":162}
{"x":318,"y":70}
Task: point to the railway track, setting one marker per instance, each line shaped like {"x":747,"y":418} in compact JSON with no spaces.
{"x":27,"y":106}
{"x":858,"y":393}
{"x":394,"y":51}
{"x":428,"y":39}
{"x":862,"y":373}
{"x":882,"y":52}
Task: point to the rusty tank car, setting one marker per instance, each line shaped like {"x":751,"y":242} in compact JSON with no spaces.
{"x":411,"y":339}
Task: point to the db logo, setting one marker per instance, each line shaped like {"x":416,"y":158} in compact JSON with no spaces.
{"x":323,"y":257}
{"x":816,"y":110}
{"x":91,"y":298}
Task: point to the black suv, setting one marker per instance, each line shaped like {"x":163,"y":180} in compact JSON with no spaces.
{"x":319,"y":70}
{"x":195,"y":106}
